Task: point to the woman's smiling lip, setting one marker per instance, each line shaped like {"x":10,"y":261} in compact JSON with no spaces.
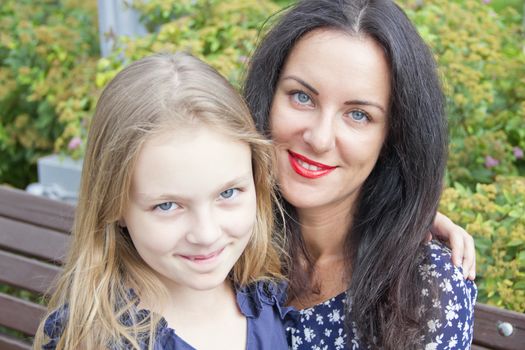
{"x":202,"y":258}
{"x":307,"y":167}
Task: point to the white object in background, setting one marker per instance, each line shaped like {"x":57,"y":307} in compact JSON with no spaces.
{"x":117,"y":18}
{"x":58,"y":178}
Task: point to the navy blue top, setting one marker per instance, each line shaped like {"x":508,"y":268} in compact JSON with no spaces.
{"x":322,"y":327}
{"x":261,"y":304}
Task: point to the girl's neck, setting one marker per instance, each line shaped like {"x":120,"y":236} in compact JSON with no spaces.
{"x":188,"y":301}
{"x":214,"y":313}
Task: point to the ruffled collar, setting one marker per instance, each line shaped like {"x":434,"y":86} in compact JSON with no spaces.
{"x":252,"y":298}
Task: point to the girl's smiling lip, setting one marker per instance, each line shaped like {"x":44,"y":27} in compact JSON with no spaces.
{"x":203,"y":258}
{"x":308,"y":168}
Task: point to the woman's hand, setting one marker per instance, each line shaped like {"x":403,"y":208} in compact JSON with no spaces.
{"x":461,"y":243}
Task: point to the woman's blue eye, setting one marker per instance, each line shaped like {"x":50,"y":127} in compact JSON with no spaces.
{"x":229,"y":193}
{"x":167,"y":206}
{"x":301,"y":97}
{"x":358,"y":115}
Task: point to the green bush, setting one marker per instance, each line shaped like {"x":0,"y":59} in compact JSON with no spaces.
{"x":480,"y":54}
{"x":495,"y":214}
{"x":48,"y":54}
{"x":223,"y":33}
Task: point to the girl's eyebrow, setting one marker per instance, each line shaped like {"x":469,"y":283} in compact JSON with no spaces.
{"x":146,"y":197}
{"x":302,"y":82}
{"x":238,"y":181}
{"x":350,"y":102}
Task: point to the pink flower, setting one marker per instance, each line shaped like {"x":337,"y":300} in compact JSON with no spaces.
{"x":491,"y":162}
{"x":74,"y":143}
{"x":486,"y":1}
{"x":518,"y":152}
{"x":243,"y":59}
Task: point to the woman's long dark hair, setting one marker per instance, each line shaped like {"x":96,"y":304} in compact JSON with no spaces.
{"x":398,"y":201}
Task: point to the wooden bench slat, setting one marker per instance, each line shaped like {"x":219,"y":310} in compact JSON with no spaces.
{"x":486,"y":320}
{"x":33,"y":240}
{"x":477,"y":347}
{"x":20,"y":315}
{"x":9,"y":343}
{"x":40,"y":211}
{"x":26,"y":273}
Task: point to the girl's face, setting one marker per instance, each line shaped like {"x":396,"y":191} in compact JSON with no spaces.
{"x":192,"y":206}
{"x":329,"y":118}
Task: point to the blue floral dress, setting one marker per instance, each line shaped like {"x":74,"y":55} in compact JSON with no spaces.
{"x":322,"y":327}
{"x":261,"y":304}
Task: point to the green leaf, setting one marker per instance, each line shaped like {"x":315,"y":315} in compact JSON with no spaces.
{"x":519,"y":285}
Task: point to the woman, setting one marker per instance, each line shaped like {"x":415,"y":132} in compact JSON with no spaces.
{"x":350,"y":95}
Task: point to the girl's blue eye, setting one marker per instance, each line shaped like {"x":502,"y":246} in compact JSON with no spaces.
{"x":358,"y":115}
{"x":229,"y":193}
{"x":167,"y":206}
{"x":301,"y":97}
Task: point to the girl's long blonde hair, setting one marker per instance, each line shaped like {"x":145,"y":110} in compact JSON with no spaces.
{"x":157,"y":92}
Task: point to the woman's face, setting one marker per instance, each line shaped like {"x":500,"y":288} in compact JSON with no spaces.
{"x":329,"y":118}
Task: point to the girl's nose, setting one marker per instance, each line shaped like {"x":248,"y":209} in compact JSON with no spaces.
{"x":206,"y":229}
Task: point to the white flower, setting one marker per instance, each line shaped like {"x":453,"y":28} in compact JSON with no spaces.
{"x":433,"y":325}
{"x":306,"y":313}
{"x":309,"y":334}
{"x":335,"y":316}
{"x":431,"y":346}
{"x":339,"y":343}
{"x":446,"y":286}
{"x":452,"y":342}
{"x":319,"y":319}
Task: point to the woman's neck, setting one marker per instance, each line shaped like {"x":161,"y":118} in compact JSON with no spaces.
{"x":324,"y":230}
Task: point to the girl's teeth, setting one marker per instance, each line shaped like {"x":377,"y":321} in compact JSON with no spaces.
{"x":307,"y":166}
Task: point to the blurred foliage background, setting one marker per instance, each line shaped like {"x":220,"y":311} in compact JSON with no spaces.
{"x":51,"y":74}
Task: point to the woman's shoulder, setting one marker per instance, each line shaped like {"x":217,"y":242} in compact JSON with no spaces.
{"x":450,"y":298}
{"x":438,"y":267}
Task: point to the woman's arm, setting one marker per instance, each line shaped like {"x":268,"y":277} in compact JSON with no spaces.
{"x":461,"y":243}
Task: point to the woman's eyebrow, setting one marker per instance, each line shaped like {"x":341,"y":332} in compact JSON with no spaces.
{"x":302,"y":82}
{"x":365,"y":103}
{"x":350,"y":102}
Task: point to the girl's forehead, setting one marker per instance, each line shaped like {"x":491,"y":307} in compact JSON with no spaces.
{"x":190,"y":159}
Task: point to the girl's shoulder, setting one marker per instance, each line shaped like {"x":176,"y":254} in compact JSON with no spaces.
{"x":263,"y":303}
{"x":264,"y":296}
{"x":53,"y":327}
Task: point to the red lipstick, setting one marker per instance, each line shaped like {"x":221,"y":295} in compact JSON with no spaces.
{"x":300,"y":163}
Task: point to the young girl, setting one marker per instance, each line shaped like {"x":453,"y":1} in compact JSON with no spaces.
{"x":171,"y":246}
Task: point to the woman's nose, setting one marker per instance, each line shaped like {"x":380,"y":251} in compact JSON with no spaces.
{"x":320,"y":134}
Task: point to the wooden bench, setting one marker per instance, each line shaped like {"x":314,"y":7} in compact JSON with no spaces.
{"x":490,"y":325}
{"x":34,"y":234}
{"x":33,"y":240}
